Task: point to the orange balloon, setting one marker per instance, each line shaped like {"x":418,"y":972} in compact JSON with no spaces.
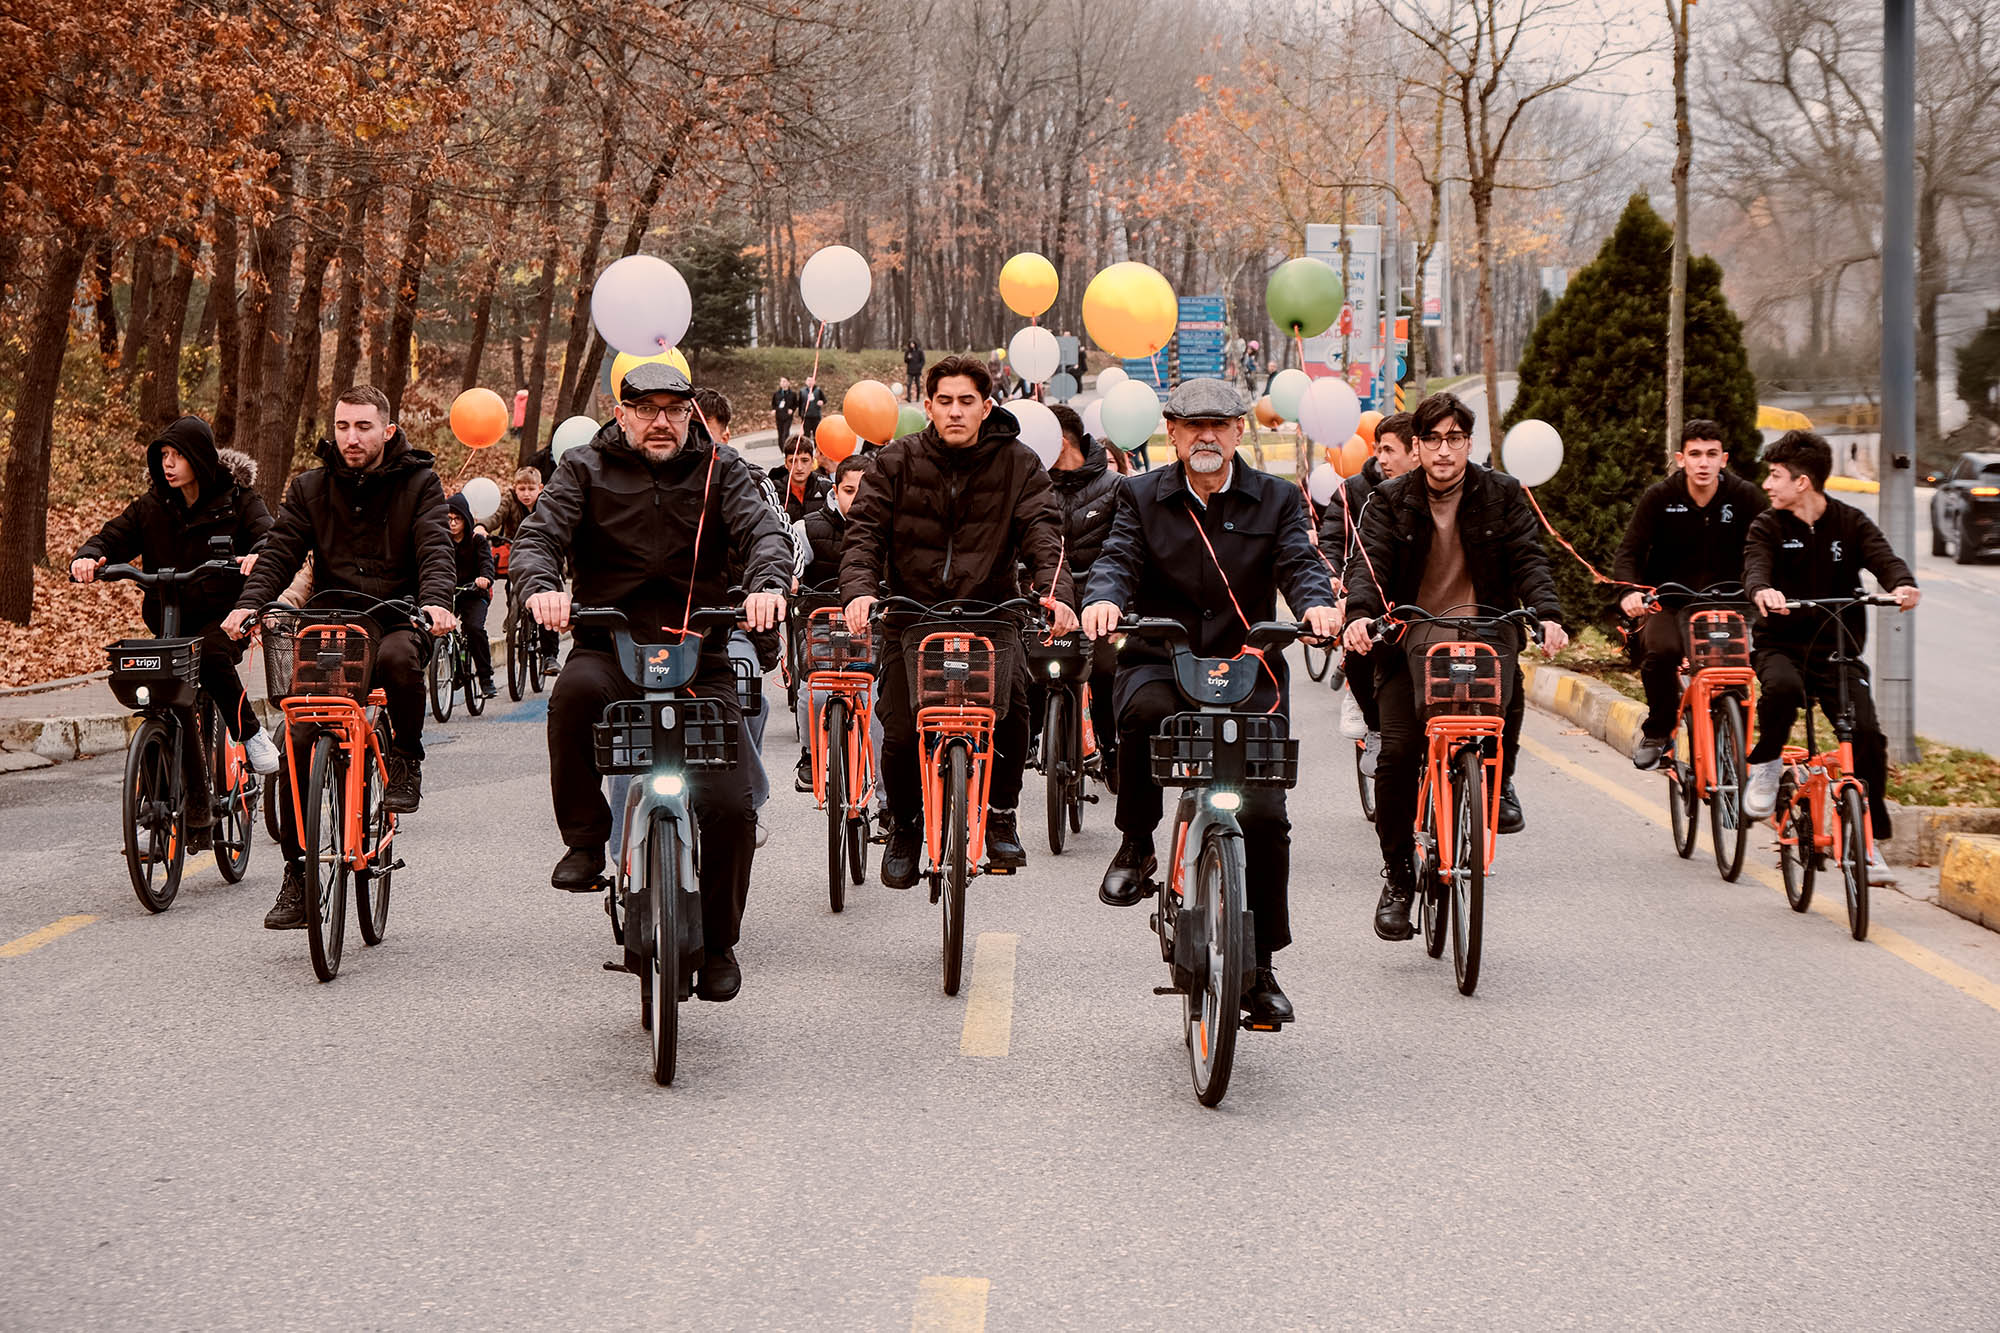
{"x":1353,"y":455}
{"x":1267,"y":415}
{"x":835,"y":438}
{"x":1366,"y":430}
{"x":478,"y":418}
{"x":870,"y":411}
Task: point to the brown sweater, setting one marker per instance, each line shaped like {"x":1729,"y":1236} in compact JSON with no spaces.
{"x":1446,"y":586}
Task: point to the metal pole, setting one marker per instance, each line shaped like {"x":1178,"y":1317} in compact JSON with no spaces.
{"x":1392,"y":297}
{"x":1896,"y":642}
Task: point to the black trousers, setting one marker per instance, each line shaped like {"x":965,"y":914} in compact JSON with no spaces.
{"x":399,"y":674}
{"x":1361,"y":684}
{"x":901,"y":782}
{"x":1662,"y":647}
{"x":784,"y":424}
{"x":1404,"y":744}
{"x":1267,"y":831}
{"x":472,"y":609}
{"x":1784,"y":685}
{"x":721,"y":797}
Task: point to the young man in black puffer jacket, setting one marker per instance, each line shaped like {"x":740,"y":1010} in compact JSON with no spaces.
{"x":1087,"y":493}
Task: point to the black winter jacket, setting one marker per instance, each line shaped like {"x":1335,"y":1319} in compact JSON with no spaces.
{"x":472,"y":553}
{"x":632,"y":527}
{"x":1502,"y":541}
{"x":1822,"y":559}
{"x":1088,"y":498}
{"x":379,"y":534}
{"x":1671,"y":539}
{"x":161,"y":529}
{"x":938,"y":523}
{"x":825,"y":533}
{"x":796,"y":508}
{"x":1340,"y":521}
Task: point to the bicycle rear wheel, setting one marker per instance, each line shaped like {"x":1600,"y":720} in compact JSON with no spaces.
{"x":1210,"y":1015}
{"x":1728,"y":828}
{"x":371,"y":886}
{"x":1365,"y":783}
{"x":1682,"y":797}
{"x":663,"y":968}
{"x":325,"y":843}
{"x":1468,"y":872}
{"x":155,"y":825}
{"x":1434,"y":914}
{"x":1854,"y":859}
{"x":438,"y":676}
{"x":957,"y":867}
{"x":538,"y":659}
{"x":517,"y":654}
{"x":1797,"y":860}
{"x":836,"y":804}
{"x":468,"y":679}
{"x":236,"y":820}
{"x":1055,"y":769}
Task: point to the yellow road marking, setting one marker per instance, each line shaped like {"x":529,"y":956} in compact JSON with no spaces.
{"x":989,"y":1009}
{"x":199,"y":861}
{"x":1899,"y":945}
{"x":34,"y":940}
{"x":950,"y":1304}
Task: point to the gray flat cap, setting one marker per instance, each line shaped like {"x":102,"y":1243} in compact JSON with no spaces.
{"x":653,"y":377}
{"x":1193,"y":400}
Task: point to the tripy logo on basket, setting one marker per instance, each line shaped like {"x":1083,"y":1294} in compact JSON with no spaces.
{"x":138,"y":663}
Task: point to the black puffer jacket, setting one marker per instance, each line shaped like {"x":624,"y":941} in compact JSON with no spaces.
{"x":1813,"y":560}
{"x":1503,"y":546}
{"x":379,"y":534}
{"x":939,"y":523}
{"x":797,"y":507}
{"x":1088,"y":498}
{"x":825,"y":535}
{"x":1340,"y":520}
{"x":161,"y":528}
{"x":632,"y":528}
{"x":472,"y":553}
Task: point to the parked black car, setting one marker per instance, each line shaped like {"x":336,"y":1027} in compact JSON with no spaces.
{"x":1965,"y":511}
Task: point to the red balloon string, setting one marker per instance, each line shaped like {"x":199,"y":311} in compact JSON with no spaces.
{"x":1595,"y":576}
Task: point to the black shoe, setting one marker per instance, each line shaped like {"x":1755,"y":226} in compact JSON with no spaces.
{"x":899,"y":863}
{"x":1392,"y":913}
{"x":289,"y":912}
{"x":720,"y":978}
{"x":406,"y":784}
{"x":1128,"y":881}
{"x":1034,"y":753}
{"x":803,"y":780}
{"x":489,"y":689}
{"x":1646,"y":754}
{"x":579,"y":871}
{"x":1003,"y":841}
{"x":1511,"y":818}
{"x":1264,"y":1002}
{"x":1107,"y":768}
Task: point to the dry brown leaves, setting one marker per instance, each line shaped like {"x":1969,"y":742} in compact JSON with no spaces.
{"x":71,"y":623}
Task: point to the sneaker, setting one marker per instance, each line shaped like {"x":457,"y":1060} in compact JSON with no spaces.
{"x":1392,"y":912}
{"x":262,"y":752}
{"x":489,"y":689}
{"x":1003,"y":841}
{"x":1647,"y":753}
{"x":1371,"y":754}
{"x":406,"y":784}
{"x":762,"y":833}
{"x":1879,"y":871}
{"x":1353,"y":725}
{"x":802,"y":780}
{"x":289,"y":912}
{"x":1760,"y":793}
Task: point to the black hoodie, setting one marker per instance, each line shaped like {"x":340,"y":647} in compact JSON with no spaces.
{"x":473,"y":553}
{"x":161,"y":528}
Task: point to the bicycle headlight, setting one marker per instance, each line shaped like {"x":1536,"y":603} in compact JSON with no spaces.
{"x":1055,"y":668}
{"x":669,"y":784}
{"x":1229,"y":801}
{"x":142,"y":696}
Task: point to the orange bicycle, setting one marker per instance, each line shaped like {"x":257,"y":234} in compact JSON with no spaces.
{"x":1822,"y":807}
{"x":318,"y":664}
{"x":1706,"y":758}
{"x":840,"y":682}
{"x":1461,"y":695}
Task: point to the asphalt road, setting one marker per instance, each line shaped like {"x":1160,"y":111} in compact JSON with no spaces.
{"x":1672,"y":1101}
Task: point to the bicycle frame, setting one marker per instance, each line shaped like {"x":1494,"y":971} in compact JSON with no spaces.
{"x":938,"y":729}
{"x":1448,"y":735}
{"x":353,"y":726}
{"x":1820,"y":780}
{"x":855,"y":689}
{"x":1698,"y":706}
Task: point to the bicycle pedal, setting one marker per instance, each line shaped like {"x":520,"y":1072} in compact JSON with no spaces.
{"x":389,"y":869}
{"x":617,"y":967}
{"x":598,"y":885}
{"x":1168,"y":990}
{"x":990,"y":869}
{"x":1263,"y":1025}
{"x":1090,"y":797}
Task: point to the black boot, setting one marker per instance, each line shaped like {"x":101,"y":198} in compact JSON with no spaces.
{"x":406,"y":784}
{"x":1003,"y":841}
{"x":899,"y":862}
{"x":720,"y":978}
{"x":289,"y":912}
{"x":1264,"y":1002}
{"x":1128,"y":881}
{"x":1511,"y":818}
{"x":803,"y":780}
{"x":1392,"y":913}
{"x":579,"y":871}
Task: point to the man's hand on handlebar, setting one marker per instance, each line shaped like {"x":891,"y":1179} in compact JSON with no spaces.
{"x":858,"y":612}
{"x":1770,"y":601}
{"x":1907,"y":596}
{"x":1323,"y":621}
{"x":84,"y":571}
{"x":550,"y":609}
{"x":1360,"y":636}
{"x":1062,"y":618}
{"x":762,"y":610}
{"x":1100,"y":619}
{"x":443,"y":621}
{"x":233,"y":624}
{"x":1554,"y":638}
{"x":1633,"y":604}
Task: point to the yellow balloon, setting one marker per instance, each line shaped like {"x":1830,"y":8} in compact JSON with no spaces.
{"x":1028,"y":284}
{"x":622,"y":365}
{"x":1130,"y":311}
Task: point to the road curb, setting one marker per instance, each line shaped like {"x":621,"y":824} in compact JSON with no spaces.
{"x":1857,"y":485}
{"x":1969,"y":877}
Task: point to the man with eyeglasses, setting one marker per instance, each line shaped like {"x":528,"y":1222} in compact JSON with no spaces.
{"x":655,"y":516}
{"x":1448,"y":537}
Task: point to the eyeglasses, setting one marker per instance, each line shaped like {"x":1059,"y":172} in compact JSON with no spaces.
{"x":647,"y":413}
{"x":1457,"y":441}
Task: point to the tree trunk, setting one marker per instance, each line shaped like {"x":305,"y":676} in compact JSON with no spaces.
{"x":302,"y":356}
{"x":145,"y":255}
{"x":586,"y":266}
{"x":254,"y":333}
{"x":24,"y":507}
{"x":515,"y":320}
{"x":228,"y":329}
{"x":409,"y":279}
{"x":107,"y":300}
{"x":160,"y":389}
{"x":585,"y":380}
{"x":1482,"y":226}
{"x":271,"y":446}
{"x":1677,"y":283}
{"x":544,"y":313}
{"x":353,"y":259}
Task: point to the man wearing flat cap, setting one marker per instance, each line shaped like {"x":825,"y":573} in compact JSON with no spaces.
{"x":1208,"y":541}
{"x":654,"y":514}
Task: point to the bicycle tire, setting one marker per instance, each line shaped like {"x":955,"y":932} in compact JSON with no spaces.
{"x":326,"y":860}
{"x":1325,"y":655}
{"x":836,"y":804}
{"x":1055,"y":771}
{"x":956,"y":868}
{"x":236,"y":825}
{"x":437,"y":674}
{"x":1433,"y":913}
{"x":663,"y":967}
{"x":517,"y":654}
{"x":1682,"y":798}
{"x":1728,"y":828}
{"x":1468,"y":875}
{"x":468,"y":679}
{"x":1365,"y":784}
{"x":371,"y":888}
{"x":1211,"y":1019}
{"x":1797,"y":859}
{"x":1854,"y":859}
{"x":155,"y":826}
{"x":857,"y":847}
{"x":538,"y":661}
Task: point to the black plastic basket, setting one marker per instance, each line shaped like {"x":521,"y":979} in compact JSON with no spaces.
{"x":749,"y":684}
{"x":1718,"y":639}
{"x":167,"y":670}
{"x":688,"y":733}
{"x":317,"y":654}
{"x":1462,"y":679}
{"x":1203,"y":749}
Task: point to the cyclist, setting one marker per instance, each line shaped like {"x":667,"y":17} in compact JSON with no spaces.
{"x":1446,"y":537}
{"x":372,"y":518}
{"x":1087,"y":492}
{"x":948,"y":513}
{"x":475,"y":569}
{"x":197,"y":493}
{"x":1339,"y":531}
{"x":819,"y":536}
{"x":1810,"y":545}
{"x":515,"y":506}
{"x":799,"y":482}
{"x":1210,"y":542}
{"x":653,"y":514}
{"x":1688,"y":529}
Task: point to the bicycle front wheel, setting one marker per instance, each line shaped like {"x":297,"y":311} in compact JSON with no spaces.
{"x":836,"y":804}
{"x":1055,"y":769}
{"x":438,"y":676}
{"x":517,"y":656}
{"x":1682,"y":796}
{"x":324,"y":839}
{"x":1468,"y":871}
{"x":957,"y":868}
{"x":236,"y":821}
{"x":1728,"y":828}
{"x":663,"y":968}
{"x":468,"y":679}
{"x":155,"y":825}
{"x":1434,"y":914}
{"x":1210,"y":1013}
{"x":371,"y":887}
{"x":1854,"y":859}
{"x":1365,"y":783}
{"x":1797,"y":858}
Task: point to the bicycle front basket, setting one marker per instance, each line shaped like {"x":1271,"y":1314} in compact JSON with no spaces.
{"x":829,"y":646}
{"x":1462,"y":679}
{"x":1718,"y":639}
{"x":638,"y":733}
{"x":955,"y":668}
{"x":165,"y":669}
{"x":1200,"y":749}
{"x":317,"y":653}
{"x":749,"y":684}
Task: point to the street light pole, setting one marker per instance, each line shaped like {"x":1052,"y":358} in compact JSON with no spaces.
{"x":1896,"y":644}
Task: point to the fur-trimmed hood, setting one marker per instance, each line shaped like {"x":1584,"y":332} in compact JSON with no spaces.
{"x":241,"y":467}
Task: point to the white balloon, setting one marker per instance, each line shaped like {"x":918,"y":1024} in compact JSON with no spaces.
{"x":835,"y":283}
{"x":1288,"y":389}
{"x":1093,"y":419}
{"x":1321,"y":483}
{"x":1035,"y":354}
{"x":1131,"y":413}
{"x":1329,"y":411}
{"x":1532,"y":451}
{"x":641,"y":305}
{"x":573,"y":433}
{"x":482,"y":495}
{"x":1110,"y":377}
{"x":1040,"y":430}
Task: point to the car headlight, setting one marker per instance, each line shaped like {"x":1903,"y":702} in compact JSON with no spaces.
{"x":669,"y":784}
{"x":1229,"y":801}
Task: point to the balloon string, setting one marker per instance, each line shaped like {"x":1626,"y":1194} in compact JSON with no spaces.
{"x":813,"y":378}
{"x":1248,"y":651}
{"x":1595,"y":576}
{"x":1312,"y":513}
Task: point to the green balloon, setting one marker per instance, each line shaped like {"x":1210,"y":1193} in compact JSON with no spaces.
{"x":910,"y":419}
{"x":1304,"y":297}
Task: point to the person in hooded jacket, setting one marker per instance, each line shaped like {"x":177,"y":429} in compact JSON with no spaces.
{"x":372,"y":519}
{"x":198,"y":493}
{"x":819,"y":538}
{"x":1395,"y":453}
{"x":475,"y":569}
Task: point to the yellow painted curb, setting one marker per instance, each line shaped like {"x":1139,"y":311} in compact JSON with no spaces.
{"x":1854,"y":484}
{"x":1969,"y":879}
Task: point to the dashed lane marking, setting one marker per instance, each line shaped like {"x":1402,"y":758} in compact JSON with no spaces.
{"x":950,"y":1305}
{"x":34,"y":940}
{"x":989,"y":1009}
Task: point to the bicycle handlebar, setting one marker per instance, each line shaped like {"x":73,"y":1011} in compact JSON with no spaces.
{"x":402,"y":606}
{"x":159,"y":577}
{"x":1264,"y":634}
{"x":1730,"y":590}
{"x":1398,"y":618}
{"x":956,"y":608}
{"x":702,"y":620}
{"x":1837,"y":604}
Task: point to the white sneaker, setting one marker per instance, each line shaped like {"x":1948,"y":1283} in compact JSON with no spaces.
{"x":1371,"y":754}
{"x":1353,"y":726}
{"x":763,"y":829}
{"x":262,"y":753}
{"x":1760,"y":793}
{"x":1879,"y":871}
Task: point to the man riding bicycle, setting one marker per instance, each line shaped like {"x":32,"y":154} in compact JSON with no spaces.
{"x":1087,"y":489}
{"x":1339,"y":539}
{"x":819,"y":537}
{"x":1688,"y":529}
{"x":1210,"y":542}
{"x":372,"y":517}
{"x":1809,"y":545}
{"x":654,"y":515}
{"x":952,"y":513}
{"x":1447,"y":537}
